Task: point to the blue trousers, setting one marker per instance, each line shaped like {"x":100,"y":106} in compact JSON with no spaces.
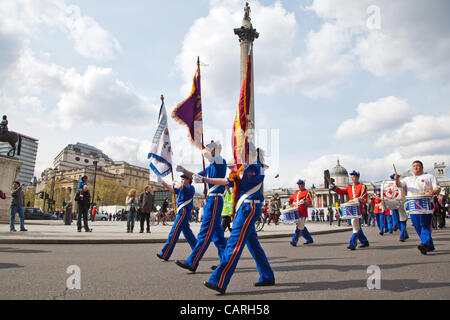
{"x":14,"y":210}
{"x":388,"y":225}
{"x":243,"y":233}
{"x":181,"y":224}
{"x":358,"y":234}
{"x":422,"y":224}
{"x":395,"y":219}
{"x":305,"y":233}
{"x":380,"y":221}
{"x":210,"y":230}
{"x":403,"y":233}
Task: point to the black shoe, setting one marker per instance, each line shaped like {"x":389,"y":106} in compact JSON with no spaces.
{"x":184,"y":265}
{"x":23,"y":229}
{"x":88,"y":230}
{"x":351,"y":247}
{"x":308,"y":242}
{"x":402,"y":240}
{"x":79,"y":230}
{"x":390,"y":232}
{"x":395,"y":229}
{"x":381,"y":233}
{"x":148,"y":231}
{"x":364,"y":245}
{"x":264,"y":283}
{"x":160,"y":256}
{"x":142,"y":231}
{"x":422,"y":249}
{"x":213,"y":268}
{"x":213,"y":287}
{"x":13,"y":230}
{"x":430,"y":249}
{"x":292,"y":244}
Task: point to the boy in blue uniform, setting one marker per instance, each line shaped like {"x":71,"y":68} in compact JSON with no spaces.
{"x":185,"y":195}
{"x":83,"y":181}
{"x":211,"y":229}
{"x":243,"y":232}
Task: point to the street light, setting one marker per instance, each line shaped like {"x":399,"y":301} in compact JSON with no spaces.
{"x":95,"y":178}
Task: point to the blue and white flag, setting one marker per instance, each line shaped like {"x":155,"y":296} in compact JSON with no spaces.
{"x":161,"y":151}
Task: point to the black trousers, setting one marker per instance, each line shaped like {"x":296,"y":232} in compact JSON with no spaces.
{"x":226,"y":222}
{"x":82,"y":214}
{"x":144,"y":216}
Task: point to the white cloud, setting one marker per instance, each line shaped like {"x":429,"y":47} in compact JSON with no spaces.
{"x":28,"y":17}
{"x":375,"y":117}
{"x":127,"y":149}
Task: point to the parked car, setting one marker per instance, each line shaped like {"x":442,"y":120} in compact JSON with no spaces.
{"x":36,"y":214}
{"x":99,"y":216}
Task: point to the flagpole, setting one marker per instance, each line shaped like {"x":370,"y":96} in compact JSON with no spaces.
{"x":174,"y":200}
{"x":203,"y":145}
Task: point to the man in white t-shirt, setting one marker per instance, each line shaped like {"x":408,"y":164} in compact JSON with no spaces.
{"x":418,"y":183}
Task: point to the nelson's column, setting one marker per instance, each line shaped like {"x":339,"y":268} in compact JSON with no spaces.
{"x":247,"y":35}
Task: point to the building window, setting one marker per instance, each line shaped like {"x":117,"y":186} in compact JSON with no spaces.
{"x":77,"y":158}
{"x":86,"y":160}
{"x":129,"y":181}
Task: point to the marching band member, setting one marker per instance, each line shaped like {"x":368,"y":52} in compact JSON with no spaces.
{"x":400,"y":215}
{"x":301,"y":199}
{"x":250,"y":178}
{"x":388,"y":221}
{"x":185,"y":196}
{"x":395,"y":214}
{"x":211,"y":229}
{"x":418,"y":183}
{"x":378,"y":211}
{"x":356,"y":191}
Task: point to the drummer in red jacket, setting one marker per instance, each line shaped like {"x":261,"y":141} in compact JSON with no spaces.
{"x":355,"y":191}
{"x":378,"y":211}
{"x":302,"y":200}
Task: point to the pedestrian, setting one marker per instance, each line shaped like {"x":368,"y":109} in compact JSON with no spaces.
{"x":211,"y":228}
{"x":301,"y":199}
{"x":131,"y":203}
{"x":83,"y":199}
{"x":83,"y":182}
{"x":357,"y":192}
{"x":17,"y":204}
{"x":93,"y":213}
{"x":378,"y":211}
{"x":248,"y":209}
{"x":146,"y":205}
{"x":185,"y":196}
{"x":265,"y":211}
{"x":227,"y":210}
{"x":164,"y":214}
{"x":420,"y":182}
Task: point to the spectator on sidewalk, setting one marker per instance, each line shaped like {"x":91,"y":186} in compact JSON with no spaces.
{"x":146,"y":205}
{"x":2,"y":195}
{"x":163,"y":215}
{"x":17,"y":204}
{"x":93,"y":213}
{"x":83,"y":198}
{"x":131,"y":203}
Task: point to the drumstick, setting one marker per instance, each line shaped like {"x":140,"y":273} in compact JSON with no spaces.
{"x":395,"y":170}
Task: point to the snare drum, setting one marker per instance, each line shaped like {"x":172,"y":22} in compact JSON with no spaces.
{"x":290,"y":215}
{"x":418,"y":204}
{"x":391,"y":195}
{"x":350,"y":210}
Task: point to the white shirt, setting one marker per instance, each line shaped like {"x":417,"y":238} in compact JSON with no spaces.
{"x":418,"y":184}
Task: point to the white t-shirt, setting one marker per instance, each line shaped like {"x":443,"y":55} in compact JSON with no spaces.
{"x":417,"y":184}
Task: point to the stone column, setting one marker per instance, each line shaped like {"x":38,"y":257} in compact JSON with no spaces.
{"x":247,"y":34}
{"x":9,"y":171}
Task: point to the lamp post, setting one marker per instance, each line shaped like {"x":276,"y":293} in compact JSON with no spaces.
{"x":95,"y":178}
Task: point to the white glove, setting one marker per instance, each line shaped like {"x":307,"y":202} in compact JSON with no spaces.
{"x":179,"y":169}
{"x":197,"y":178}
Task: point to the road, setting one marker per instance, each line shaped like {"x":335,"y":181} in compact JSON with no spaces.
{"x":323,"y":271}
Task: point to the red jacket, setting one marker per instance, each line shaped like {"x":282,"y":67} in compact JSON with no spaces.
{"x":358,"y":191}
{"x":376,"y":202}
{"x":301,"y":195}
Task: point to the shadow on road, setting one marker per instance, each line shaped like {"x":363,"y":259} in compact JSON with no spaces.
{"x":9,"y":265}
{"x":14,"y":250}
{"x":389,"y":285}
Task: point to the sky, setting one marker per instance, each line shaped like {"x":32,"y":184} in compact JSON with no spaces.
{"x":365,"y":82}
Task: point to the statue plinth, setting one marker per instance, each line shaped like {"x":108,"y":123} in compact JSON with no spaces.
{"x":9,"y":171}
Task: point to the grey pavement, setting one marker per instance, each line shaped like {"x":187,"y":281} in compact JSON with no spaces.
{"x":55,"y":232}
